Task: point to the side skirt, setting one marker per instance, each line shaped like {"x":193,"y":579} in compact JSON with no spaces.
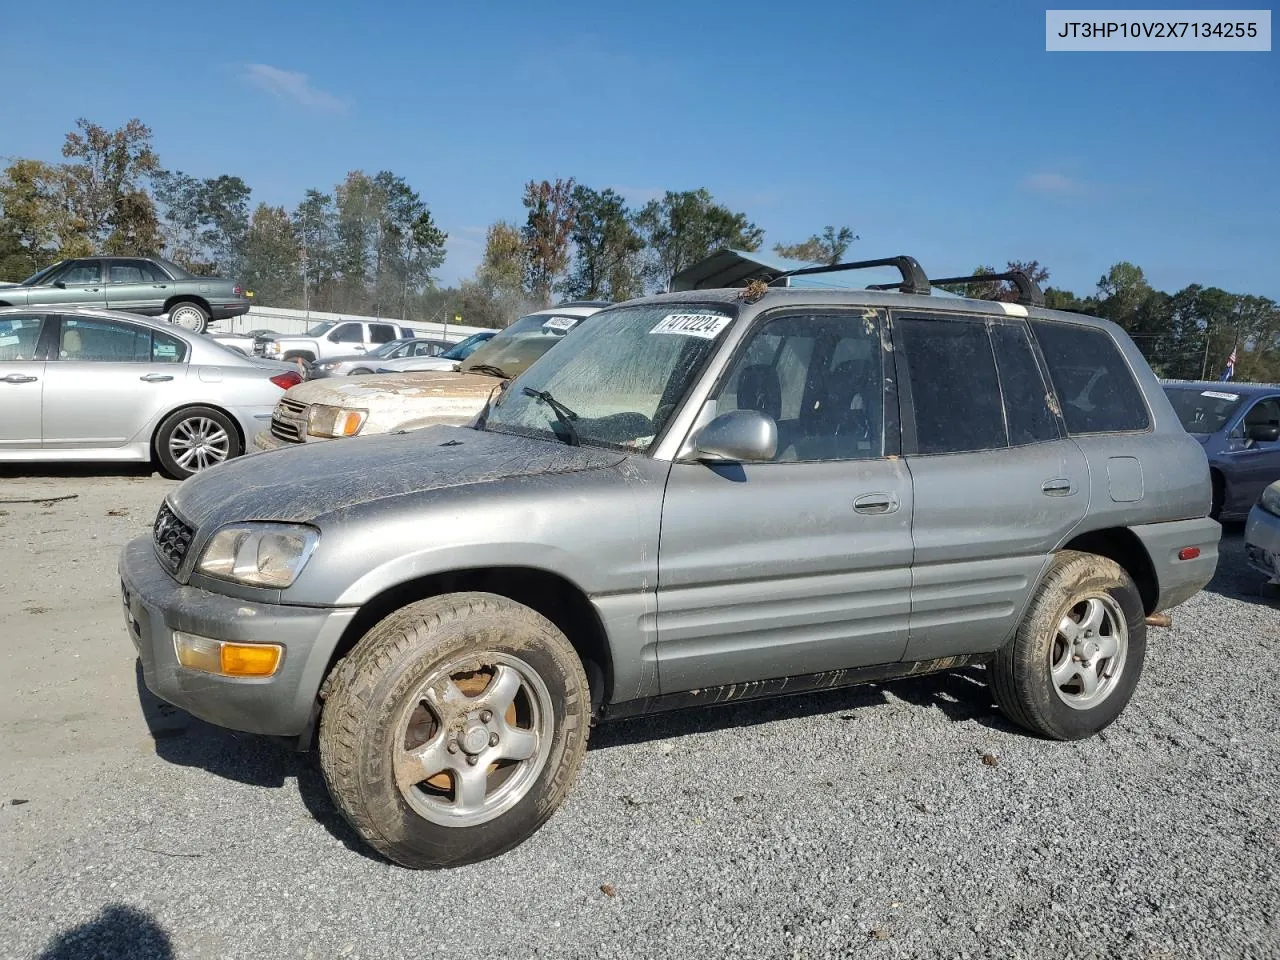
{"x":785,"y":686}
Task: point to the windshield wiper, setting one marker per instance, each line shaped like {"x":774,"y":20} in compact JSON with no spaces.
{"x":563,"y":414}
{"x":490,"y":369}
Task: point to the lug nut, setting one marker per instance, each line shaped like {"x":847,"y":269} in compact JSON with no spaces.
{"x":473,"y":760}
{"x":493,"y":739}
{"x":485,"y":716}
{"x":453,"y":746}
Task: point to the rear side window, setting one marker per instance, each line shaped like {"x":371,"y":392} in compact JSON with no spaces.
{"x":1094,"y":384}
{"x":954,"y":387}
{"x":348,"y":333}
{"x":1027,"y":404}
{"x":381,"y":333}
{"x":166,"y":348}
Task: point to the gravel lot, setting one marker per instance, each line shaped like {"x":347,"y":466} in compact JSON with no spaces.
{"x":857,"y":823}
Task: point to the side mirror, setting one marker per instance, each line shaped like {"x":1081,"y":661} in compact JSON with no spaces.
{"x":61,"y":285}
{"x":739,"y":436}
{"x":1264,"y":432}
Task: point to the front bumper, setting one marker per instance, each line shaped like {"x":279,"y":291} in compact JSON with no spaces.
{"x":1262,"y":542}
{"x":155,"y":605}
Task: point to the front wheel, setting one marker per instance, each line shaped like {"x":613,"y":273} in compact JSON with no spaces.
{"x":360,"y":371}
{"x":1075,"y":660}
{"x":454,"y":729}
{"x":195,"y":439}
{"x":189,"y":316}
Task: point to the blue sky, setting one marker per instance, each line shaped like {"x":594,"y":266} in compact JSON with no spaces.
{"x":942,"y":130}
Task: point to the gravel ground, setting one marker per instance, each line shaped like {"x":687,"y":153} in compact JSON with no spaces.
{"x":900,"y":820}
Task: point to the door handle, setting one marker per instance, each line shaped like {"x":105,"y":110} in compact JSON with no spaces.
{"x":20,"y":378}
{"x":160,"y":286}
{"x":156,"y":378}
{"x":875,"y":503}
{"x":1058,"y":487}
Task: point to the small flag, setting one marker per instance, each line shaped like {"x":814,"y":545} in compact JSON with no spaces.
{"x":1230,"y":372}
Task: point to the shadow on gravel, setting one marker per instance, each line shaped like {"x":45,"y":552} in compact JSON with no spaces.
{"x":119,"y":932}
{"x":186,"y":741}
{"x":961,"y":695}
{"x":76,"y":471}
{"x":1234,"y":578}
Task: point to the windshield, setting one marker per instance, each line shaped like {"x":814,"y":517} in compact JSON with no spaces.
{"x":618,"y":379}
{"x":514,"y":349}
{"x":36,"y":277}
{"x":464,"y":348}
{"x":389,"y":348}
{"x":320,"y":329}
{"x":1201,"y":410}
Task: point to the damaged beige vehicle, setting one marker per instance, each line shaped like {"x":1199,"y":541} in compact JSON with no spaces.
{"x":386,"y":403}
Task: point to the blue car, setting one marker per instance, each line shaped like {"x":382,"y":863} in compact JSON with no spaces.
{"x":1239,"y":425}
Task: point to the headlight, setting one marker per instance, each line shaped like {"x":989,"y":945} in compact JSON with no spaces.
{"x":1270,"y":501}
{"x":259,"y":554}
{"x":324,"y":420}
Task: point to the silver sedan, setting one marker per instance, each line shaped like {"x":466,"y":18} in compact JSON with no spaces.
{"x":101,"y":385}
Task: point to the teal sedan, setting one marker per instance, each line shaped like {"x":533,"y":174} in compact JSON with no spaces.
{"x":143,"y":285}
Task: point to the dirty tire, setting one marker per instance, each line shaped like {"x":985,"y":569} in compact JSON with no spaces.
{"x":380,"y":678}
{"x":189,"y":316}
{"x":193,"y":422}
{"x":360,"y":371}
{"x":1020,"y":675}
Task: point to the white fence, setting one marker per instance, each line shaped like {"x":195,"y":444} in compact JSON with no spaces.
{"x":299,"y":321}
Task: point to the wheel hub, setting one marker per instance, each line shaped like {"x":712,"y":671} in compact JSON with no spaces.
{"x":474,"y":738}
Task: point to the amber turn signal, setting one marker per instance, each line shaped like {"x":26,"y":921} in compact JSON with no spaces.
{"x":227,"y":659}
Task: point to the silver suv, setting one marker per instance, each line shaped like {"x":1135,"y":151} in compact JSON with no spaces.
{"x":699,"y":497}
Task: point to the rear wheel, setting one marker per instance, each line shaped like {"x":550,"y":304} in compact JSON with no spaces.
{"x":189,"y":316}
{"x":195,"y":439}
{"x":454,"y":729}
{"x":1073,"y":665}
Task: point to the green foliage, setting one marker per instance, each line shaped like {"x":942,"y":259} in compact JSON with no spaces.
{"x":826,"y":248}
{"x":607,"y":248}
{"x":548,"y":229}
{"x":683,"y":228}
{"x":105,"y":186}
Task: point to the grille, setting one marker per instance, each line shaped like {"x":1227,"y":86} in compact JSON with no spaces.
{"x":172,"y":538}
{"x":289,"y":421}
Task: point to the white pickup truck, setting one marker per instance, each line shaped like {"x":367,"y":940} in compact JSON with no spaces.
{"x":333,"y":338}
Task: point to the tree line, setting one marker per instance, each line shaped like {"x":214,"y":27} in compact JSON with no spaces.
{"x":369,"y":245}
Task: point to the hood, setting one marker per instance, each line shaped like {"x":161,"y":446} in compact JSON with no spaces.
{"x":397,"y":400}
{"x":311,"y":480}
{"x":348,"y":358}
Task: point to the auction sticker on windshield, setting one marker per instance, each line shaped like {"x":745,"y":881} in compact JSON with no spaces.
{"x":704,"y":325}
{"x":1219,"y":396}
{"x":560,"y":323}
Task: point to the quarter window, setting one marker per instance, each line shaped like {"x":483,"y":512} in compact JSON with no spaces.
{"x":821,"y":379}
{"x":166,"y":348}
{"x":955,"y":391}
{"x":1094,"y":384}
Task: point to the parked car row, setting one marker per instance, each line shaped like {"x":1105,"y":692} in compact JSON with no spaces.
{"x":326,"y":409}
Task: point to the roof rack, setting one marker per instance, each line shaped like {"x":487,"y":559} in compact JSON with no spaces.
{"x":1029,"y":292}
{"x":913,"y":275}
